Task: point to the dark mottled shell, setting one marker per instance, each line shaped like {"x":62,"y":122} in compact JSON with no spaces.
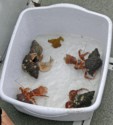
{"x":94,"y":53}
{"x":26,"y":60}
{"x":36,"y":48}
{"x":31,"y":66}
{"x":22,"y":98}
{"x":30,"y":61}
{"x":83,"y":100}
{"x":93,"y":62}
{"x":33,"y":69}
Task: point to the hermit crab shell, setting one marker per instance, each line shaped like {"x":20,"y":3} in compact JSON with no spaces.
{"x":36,"y":48}
{"x":83,"y":100}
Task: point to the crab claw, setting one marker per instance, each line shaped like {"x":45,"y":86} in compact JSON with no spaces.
{"x":69,"y":104}
{"x":70,"y":59}
{"x":40,"y":91}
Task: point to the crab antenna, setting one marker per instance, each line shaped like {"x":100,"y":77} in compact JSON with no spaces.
{"x":85,"y":47}
{"x":19,"y":84}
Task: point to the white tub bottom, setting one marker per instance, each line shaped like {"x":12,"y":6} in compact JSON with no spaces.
{"x":62,"y":77}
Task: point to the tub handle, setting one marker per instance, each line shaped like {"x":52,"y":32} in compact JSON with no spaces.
{"x":63,"y":5}
{"x":68,"y":5}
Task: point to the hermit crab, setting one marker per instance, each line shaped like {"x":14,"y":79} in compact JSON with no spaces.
{"x":90,"y":65}
{"x":77,"y":100}
{"x":32,"y":62}
{"x":27,"y":96}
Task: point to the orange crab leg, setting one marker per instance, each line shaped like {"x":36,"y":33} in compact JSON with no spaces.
{"x":79,"y":65}
{"x":40,"y":91}
{"x":24,"y":90}
{"x":82,"y":55}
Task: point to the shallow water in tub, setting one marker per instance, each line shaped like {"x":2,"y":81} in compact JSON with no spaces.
{"x":62,"y":77}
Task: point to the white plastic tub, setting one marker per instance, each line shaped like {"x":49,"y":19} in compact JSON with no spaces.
{"x":55,"y":19}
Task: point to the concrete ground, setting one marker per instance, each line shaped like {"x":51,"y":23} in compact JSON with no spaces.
{"x":9,"y":11}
